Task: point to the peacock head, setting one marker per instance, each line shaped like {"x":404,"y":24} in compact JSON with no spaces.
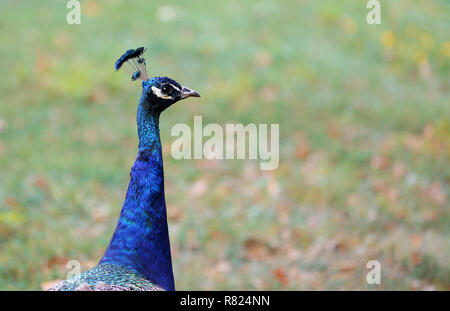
{"x":162,"y":92}
{"x":158,"y":93}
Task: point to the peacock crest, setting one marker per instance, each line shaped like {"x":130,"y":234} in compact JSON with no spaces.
{"x":136,"y":64}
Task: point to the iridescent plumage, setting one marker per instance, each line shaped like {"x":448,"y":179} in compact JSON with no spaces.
{"x":107,"y":277}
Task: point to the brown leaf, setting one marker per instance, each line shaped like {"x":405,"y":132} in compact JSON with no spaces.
{"x":347,"y":266}
{"x":257,"y":249}
{"x":40,"y":181}
{"x":303,"y":151}
{"x":379,"y":162}
{"x":57,"y":261}
{"x":416,"y":241}
{"x":281,"y":276}
{"x":416,"y":259}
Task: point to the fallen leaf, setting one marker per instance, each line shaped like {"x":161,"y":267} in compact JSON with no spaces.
{"x":281,"y":276}
{"x":257,"y":249}
{"x":39,"y":181}
{"x":347,"y":266}
{"x":416,"y":241}
{"x":379,"y":162}
{"x":302,"y":151}
{"x":416,"y":259}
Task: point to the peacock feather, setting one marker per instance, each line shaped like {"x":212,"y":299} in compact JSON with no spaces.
{"x":138,"y":256}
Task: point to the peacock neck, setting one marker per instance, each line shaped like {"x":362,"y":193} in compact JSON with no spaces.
{"x":148,"y":128}
{"x":141,"y":239}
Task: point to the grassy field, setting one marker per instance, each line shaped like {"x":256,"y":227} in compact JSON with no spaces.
{"x":364,"y":120}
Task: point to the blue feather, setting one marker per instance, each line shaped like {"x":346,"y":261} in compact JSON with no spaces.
{"x":122,"y":59}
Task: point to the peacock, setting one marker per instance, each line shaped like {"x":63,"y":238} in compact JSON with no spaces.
{"x":138,"y":256}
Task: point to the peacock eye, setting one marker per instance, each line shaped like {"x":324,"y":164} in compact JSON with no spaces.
{"x":166,"y":89}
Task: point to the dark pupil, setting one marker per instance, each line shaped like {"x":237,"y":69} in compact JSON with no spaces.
{"x":166,"y":89}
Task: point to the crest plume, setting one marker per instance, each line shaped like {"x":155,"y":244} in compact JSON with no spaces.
{"x":135,"y":62}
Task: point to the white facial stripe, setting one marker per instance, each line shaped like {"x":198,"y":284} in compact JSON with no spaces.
{"x":158,"y":93}
{"x":175,"y":87}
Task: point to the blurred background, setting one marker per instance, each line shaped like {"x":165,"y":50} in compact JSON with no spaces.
{"x":364,"y":120}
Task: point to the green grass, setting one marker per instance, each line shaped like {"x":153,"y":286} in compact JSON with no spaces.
{"x":364,"y":120}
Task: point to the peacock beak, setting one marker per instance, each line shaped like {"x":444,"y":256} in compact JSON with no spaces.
{"x":186,"y":92}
